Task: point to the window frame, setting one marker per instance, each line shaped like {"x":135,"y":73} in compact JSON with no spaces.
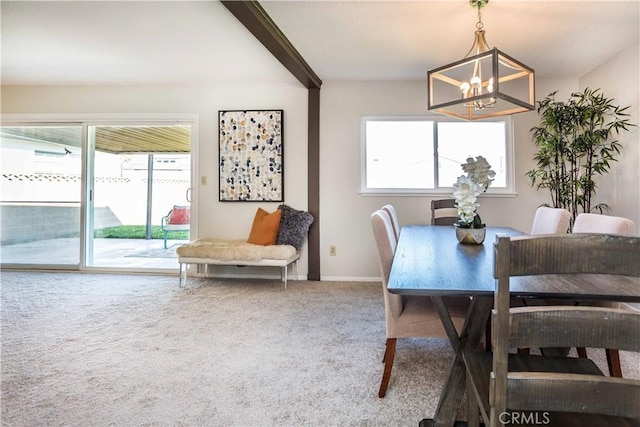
{"x":507,"y":191}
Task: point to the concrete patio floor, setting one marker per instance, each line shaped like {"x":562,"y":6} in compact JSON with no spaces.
{"x":128,"y":254}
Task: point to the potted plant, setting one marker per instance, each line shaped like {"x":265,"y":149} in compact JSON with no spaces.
{"x":575,"y":145}
{"x":478,"y":178}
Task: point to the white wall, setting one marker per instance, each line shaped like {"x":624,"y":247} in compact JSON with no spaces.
{"x":621,"y":188}
{"x":345,"y":213}
{"x":215,"y":219}
{"x":616,"y":79}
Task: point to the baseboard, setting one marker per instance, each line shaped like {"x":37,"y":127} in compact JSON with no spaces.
{"x":301,"y":276}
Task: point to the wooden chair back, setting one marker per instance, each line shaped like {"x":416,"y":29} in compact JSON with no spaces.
{"x":561,"y":326}
{"x":444,"y":212}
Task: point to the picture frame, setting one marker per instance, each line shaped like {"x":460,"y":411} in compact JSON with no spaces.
{"x":251,"y":155}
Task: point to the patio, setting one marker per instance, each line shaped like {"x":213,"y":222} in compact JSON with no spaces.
{"x":130,"y":254}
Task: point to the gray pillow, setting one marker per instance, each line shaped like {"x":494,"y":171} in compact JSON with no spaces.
{"x":294,"y":226}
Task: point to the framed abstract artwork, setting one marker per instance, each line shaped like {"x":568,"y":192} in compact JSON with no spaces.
{"x":251,"y":155}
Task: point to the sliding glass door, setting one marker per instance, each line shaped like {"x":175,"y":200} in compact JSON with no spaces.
{"x":136,"y":175}
{"x":93,"y":196}
{"x":40,"y":194}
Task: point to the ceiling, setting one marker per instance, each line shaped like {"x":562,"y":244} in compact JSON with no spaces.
{"x":183,"y":42}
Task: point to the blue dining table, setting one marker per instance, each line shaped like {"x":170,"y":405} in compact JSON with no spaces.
{"x":429,"y":261}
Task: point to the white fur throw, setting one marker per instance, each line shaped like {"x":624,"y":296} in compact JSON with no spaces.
{"x":233,"y":250}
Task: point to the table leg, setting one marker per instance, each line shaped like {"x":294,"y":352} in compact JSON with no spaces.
{"x":473,"y":412}
{"x":447,"y":323}
{"x":470,"y":337}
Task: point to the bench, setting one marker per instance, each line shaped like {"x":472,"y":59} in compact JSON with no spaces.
{"x":236,"y":253}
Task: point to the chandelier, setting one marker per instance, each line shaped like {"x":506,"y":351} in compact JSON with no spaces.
{"x":485,"y":83}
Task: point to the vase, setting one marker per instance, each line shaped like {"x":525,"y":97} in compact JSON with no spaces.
{"x":470,"y":236}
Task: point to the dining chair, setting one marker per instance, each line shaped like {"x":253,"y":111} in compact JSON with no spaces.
{"x":558,"y":390}
{"x":595,"y":223}
{"x":406,"y":316}
{"x":394,"y":219}
{"x":550,"y":221}
{"x":545,"y":221}
{"x":444,"y":212}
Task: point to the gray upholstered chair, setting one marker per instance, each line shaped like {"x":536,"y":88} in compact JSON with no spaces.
{"x":550,"y":221}
{"x":406,"y":316}
{"x":604,"y":224}
{"x":444,"y":212}
{"x":394,"y":219}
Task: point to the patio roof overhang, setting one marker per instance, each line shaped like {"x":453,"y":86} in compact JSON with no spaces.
{"x":122,"y":139}
{"x":143,"y":139}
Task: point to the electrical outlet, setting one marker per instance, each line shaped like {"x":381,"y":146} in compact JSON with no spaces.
{"x":203,"y":180}
{"x":332,"y":251}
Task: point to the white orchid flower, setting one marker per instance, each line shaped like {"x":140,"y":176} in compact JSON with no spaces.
{"x":477,"y":180}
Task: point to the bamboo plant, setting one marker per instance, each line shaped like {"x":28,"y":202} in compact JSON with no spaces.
{"x":576,"y":143}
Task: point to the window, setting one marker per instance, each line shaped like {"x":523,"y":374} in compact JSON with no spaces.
{"x":422,"y":155}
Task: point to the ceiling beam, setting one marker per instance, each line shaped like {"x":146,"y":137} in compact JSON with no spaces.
{"x":256,"y":20}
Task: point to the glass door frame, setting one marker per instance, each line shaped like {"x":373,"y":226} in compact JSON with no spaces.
{"x":14,"y":120}
{"x":86,"y":215}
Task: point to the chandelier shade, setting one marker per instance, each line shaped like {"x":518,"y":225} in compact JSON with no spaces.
{"x":487,"y":84}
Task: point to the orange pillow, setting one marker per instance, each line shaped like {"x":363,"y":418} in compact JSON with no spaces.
{"x":264,"y":230}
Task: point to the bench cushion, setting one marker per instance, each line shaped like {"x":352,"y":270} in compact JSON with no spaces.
{"x":234,"y":250}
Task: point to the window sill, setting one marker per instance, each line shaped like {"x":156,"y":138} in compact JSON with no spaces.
{"x":435,"y":193}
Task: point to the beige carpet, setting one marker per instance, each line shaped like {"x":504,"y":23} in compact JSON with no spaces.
{"x":129,"y":350}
